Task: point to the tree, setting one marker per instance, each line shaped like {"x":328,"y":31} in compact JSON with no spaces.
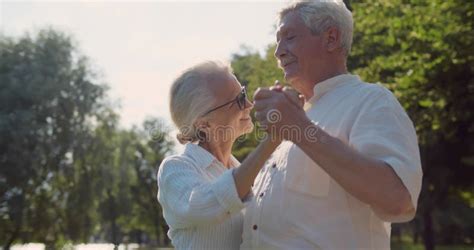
{"x":423,"y":50}
{"x":151,"y":148}
{"x":49,"y":97}
{"x":128,"y":205}
{"x":68,"y":171}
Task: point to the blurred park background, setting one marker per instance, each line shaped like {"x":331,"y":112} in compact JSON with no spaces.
{"x":72,"y":173}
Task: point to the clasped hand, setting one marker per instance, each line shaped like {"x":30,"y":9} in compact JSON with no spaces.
{"x":278,"y":110}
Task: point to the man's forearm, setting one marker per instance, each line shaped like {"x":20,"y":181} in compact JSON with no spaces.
{"x":244,"y":176}
{"x":370,"y":180}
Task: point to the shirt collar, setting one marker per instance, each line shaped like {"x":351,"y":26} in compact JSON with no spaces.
{"x":327,"y":85}
{"x":204,"y":158}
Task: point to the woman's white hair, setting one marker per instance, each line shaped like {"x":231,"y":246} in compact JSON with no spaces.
{"x":190,"y":97}
{"x":319,"y":15}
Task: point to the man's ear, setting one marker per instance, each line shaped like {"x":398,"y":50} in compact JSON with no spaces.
{"x":332,"y":39}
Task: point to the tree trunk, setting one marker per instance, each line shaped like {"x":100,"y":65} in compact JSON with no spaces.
{"x":159,"y":237}
{"x":397,"y":233}
{"x":17,"y":215}
{"x":113,"y":219}
{"x":166,"y":241}
{"x":415,"y":237}
{"x":12,"y":238}
{"x":428,"y":234}
{"x":416,"y":230}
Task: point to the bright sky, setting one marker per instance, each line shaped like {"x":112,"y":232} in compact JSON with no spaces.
{"x":140,"y":47}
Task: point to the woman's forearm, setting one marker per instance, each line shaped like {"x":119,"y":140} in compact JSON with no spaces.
{"x":244,"y":176}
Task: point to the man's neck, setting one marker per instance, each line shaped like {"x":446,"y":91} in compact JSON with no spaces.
{"x":309,"y":85}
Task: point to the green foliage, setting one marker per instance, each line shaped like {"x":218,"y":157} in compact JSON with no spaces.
{"x":68,"y":172}
{"x":48,"y":95}
{"x":423,"y":50}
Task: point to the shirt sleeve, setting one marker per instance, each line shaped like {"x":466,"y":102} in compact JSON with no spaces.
{"x":384,"y":131}
{"x":189,"y":199}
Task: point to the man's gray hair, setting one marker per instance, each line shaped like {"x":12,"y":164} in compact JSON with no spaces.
{"x":190,"y":97}
{"x":319,"y":15}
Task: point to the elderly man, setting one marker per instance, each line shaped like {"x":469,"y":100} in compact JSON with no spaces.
{"x":350,"y":164}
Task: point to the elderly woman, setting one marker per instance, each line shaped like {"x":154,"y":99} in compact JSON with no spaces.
{"x":202,"y":190}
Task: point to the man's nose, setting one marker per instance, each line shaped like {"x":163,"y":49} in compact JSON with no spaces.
{"x":280,"y":50}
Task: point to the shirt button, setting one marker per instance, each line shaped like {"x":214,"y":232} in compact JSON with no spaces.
{"x":261,"y":194}
{"x":274,"y":165}
{"x":255,"y":227}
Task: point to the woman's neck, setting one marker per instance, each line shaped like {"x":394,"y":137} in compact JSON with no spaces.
{"x":220,"y":150}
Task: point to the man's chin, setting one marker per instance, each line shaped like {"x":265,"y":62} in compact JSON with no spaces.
{"x":290,"y":77}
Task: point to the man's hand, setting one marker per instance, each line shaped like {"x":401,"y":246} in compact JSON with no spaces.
{"x":278,"y":110}
{"x":291,"y":93}
{"x":294,"y":96}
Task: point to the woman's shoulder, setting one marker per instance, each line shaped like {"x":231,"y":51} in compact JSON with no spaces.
{"x":172,"y":163}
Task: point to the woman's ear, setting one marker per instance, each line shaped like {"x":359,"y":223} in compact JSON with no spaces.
{"x":201,"y":124}
{"x":202,"y":127}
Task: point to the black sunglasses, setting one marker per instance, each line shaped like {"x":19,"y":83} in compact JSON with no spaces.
{"x":241,"y":100}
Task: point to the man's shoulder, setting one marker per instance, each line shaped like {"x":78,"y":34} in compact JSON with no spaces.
{"x":376,"y":89}
{"x":377,"y":96}
{"x":373,"y":92}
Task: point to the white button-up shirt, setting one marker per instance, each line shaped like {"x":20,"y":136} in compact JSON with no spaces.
{"x":200,"y":201}
{"x":298,"y":205}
